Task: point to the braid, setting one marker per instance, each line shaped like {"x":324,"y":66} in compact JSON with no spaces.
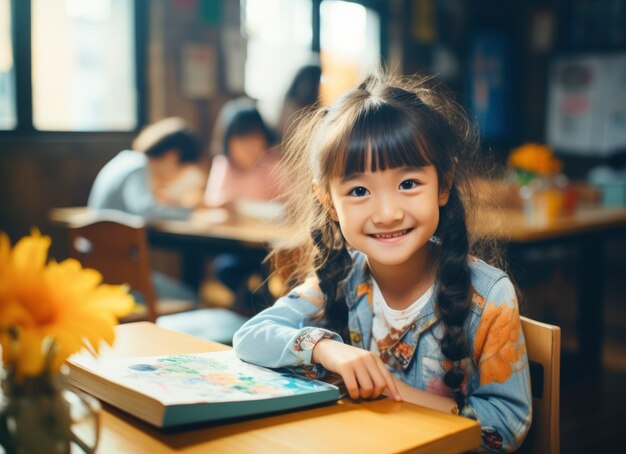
{"x":332,"y":266}
{"x":453,"y":300}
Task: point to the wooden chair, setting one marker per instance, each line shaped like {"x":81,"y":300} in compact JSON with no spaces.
{"x":543,"y":343}
{"x":115,"y":244}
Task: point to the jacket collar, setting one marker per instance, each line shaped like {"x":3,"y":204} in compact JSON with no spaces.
{"x":358,"y":291}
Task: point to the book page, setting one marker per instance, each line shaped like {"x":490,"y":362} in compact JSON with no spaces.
{"x":203,"y":377}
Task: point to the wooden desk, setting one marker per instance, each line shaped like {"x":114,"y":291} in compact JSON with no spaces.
{"x":511,"y":225}
{"x":378,"y":427}
{"x":584,"y":232}
{"x":193,"y":239}
{"x":200,"y":229}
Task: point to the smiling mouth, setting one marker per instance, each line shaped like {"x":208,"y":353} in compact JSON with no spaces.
{"x":390,"y":235}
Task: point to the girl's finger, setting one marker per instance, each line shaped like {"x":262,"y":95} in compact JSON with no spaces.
{"x":350,"y":382}
{"x":366,"y":386}
{"x":390,"y":382}
{"x":377,"y":377}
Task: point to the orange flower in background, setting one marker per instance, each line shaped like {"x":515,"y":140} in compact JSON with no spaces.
{"x":535,"y":159}
{"x":497,"y":346}
{"x":49,"y":311}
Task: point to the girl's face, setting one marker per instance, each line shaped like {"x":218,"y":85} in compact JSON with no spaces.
{"x":388,"y":215}
{"x":246,"y":151}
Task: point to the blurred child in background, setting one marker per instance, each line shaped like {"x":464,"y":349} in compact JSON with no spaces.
{"x":243,"y":171}
{"x":157,"y":179}
{"x":243,"y":161}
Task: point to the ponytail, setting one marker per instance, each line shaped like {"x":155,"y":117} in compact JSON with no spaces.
{"x":333,"y":264}
{"x":453,"y":301}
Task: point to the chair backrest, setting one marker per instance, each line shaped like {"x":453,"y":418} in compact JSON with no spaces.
{"x":543,"y":343}
{"x":115,"y":244}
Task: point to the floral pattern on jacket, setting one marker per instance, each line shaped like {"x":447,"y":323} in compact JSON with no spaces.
{"x":497,"y":385}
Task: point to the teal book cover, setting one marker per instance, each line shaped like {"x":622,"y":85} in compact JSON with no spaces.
{"x":176,"y":390}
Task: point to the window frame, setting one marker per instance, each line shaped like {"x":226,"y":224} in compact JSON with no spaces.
{"x":22,"y":59}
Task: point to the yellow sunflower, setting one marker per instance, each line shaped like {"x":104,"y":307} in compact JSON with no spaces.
{"x":59,"y":304}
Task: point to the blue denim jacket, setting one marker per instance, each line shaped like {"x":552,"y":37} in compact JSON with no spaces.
{"x":497,"y":385}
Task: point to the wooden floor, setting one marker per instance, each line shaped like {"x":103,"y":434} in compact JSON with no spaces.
{"x":593,"y":409}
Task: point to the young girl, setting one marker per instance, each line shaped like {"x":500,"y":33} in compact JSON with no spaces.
{"x":243,"y":167}
{"x":242,"y":174}
{"x":380,"y":250}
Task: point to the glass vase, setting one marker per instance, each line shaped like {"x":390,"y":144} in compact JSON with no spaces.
{"x":543,"y":199}
{"x":42,"y":414}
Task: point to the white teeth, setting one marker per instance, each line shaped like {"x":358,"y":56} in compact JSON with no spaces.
{"x":390,"y":235}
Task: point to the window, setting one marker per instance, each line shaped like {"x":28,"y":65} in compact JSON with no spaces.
{"x":83,"y":65}
{"x":82,"y":60}
{"x":282,"y":37}
{"x":350,"y":46}
{"x":279,"y":35}
{"x":8,"y":118}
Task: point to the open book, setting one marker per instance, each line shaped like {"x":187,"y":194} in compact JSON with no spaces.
{"x":174,"y":390}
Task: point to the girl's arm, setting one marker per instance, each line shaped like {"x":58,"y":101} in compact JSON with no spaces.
{"x":425,"y":399}
{"x":499,"y":396}
{"x":216,"y":193}
{"x":138,"y":199}
{"x":284,"y":335}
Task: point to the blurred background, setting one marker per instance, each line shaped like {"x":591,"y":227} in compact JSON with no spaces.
{"x":79,"y":79}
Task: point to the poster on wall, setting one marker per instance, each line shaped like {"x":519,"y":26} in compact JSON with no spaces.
{"x":615,"y":105}
{"x":490,"y":84}
{"x":587,"y":105}
{"x":199,"y":71}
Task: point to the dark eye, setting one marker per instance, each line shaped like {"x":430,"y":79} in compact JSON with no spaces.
{"x":408,"y":184}
{"x":359,"y":191}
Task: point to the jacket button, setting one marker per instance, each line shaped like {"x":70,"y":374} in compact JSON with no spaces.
{"x":355,"y":336}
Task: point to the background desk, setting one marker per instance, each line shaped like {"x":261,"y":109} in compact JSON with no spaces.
{"x":585,"y":232}
{"x":195,"y":240}
{"x":378,"y":427}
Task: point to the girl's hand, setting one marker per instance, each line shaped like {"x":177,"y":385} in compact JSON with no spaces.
{"x":364,"y":374}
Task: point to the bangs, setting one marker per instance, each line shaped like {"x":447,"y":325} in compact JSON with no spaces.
{"x":382,"y":137}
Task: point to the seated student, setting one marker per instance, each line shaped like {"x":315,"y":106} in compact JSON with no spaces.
{"x":243,"y":166}
{"x":386,"y":286}
{"x":244,"y":170}
{"x":156,"y":179}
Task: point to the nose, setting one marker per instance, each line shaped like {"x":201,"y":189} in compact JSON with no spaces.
{"x":388,"y":210}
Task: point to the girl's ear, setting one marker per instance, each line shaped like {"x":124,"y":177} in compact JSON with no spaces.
{"x":326,"y":201}
{"x":444,"y":190}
